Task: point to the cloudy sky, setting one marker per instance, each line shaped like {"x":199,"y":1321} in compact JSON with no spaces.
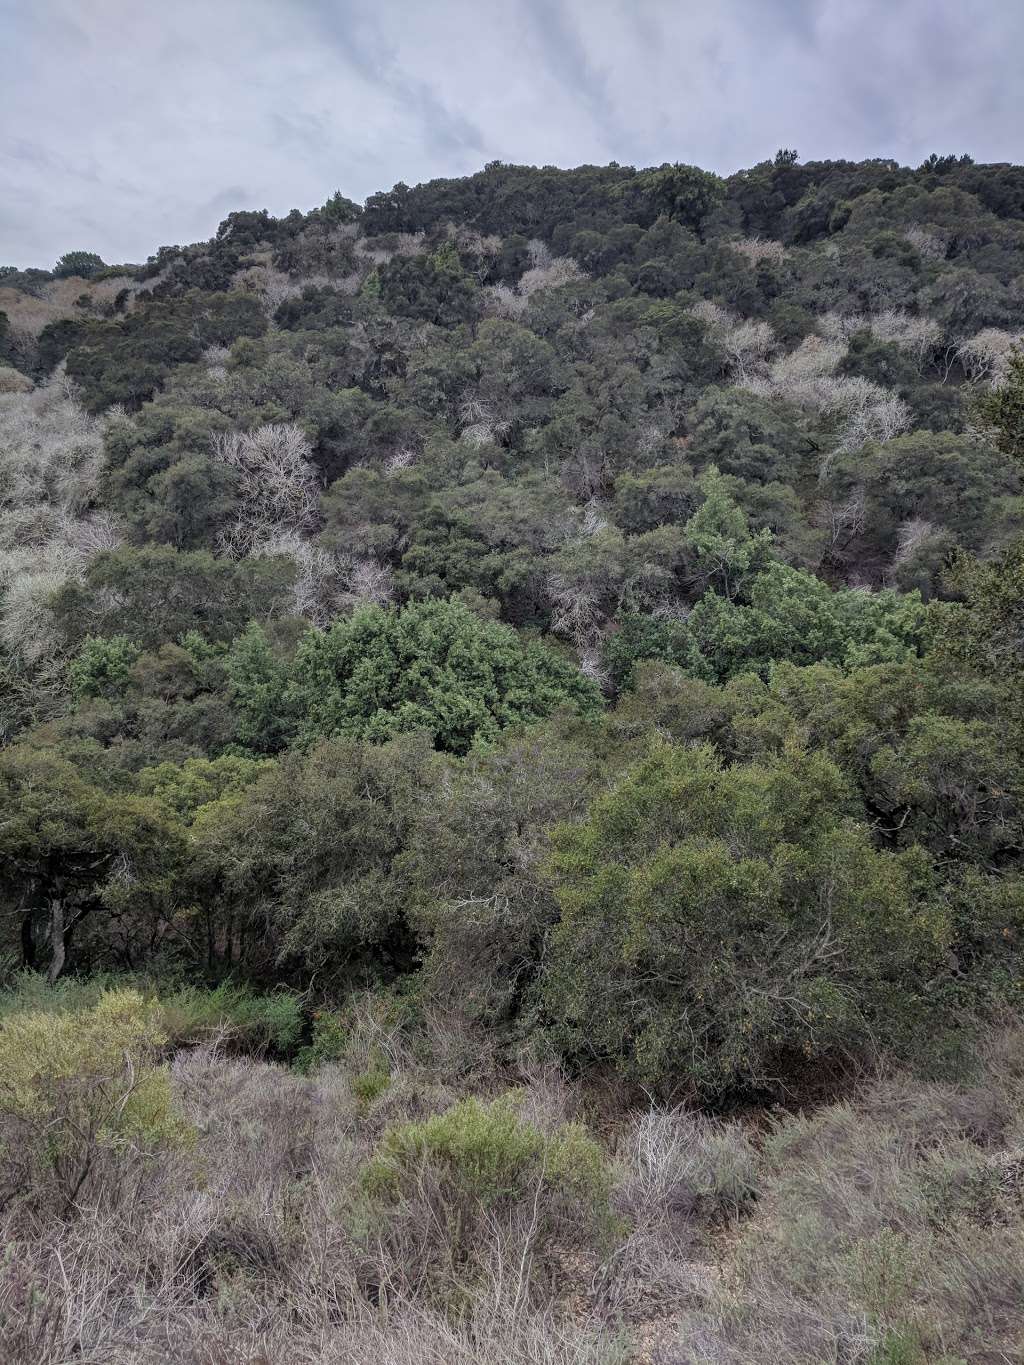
{"x":129,"y":124}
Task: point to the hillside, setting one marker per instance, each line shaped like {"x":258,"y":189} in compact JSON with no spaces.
{"x":512,"y":776}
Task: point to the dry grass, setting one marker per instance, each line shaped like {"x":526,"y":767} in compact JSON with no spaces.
{"x":886,"y":1228}
{"x":261,"y":1242}
{"x":889,"y":1228}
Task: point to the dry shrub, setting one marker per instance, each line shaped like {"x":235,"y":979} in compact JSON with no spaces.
{"x":263,"y":1243}
{"x":679,"y":1175}
{"x":932,"y":242}
{"x":13,"y":381}
{"x":889,"y":1228}
{"x":380,"y":250}
{"x":305,"y":1224}
{"x":54,"y":300}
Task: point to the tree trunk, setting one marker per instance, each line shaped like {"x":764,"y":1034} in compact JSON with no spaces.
{"x":28,"y":941}
{"x":58,"y":949}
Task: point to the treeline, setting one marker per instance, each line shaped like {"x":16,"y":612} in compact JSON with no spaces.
{"x":707,"y":886}
{"x":586,"y":600}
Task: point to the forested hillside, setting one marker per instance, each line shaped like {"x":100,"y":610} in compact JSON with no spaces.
{"x":521,"y":656}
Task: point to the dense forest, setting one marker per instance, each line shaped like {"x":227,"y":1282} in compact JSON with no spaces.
{"x":512,"y":777}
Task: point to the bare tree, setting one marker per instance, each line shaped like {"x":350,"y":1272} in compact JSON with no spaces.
{"x":758,"y":249}
{"x":279,"y":489}
{"x":985,"y":357}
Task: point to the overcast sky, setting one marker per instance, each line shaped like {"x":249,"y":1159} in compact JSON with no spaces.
{"x":129,"y":124}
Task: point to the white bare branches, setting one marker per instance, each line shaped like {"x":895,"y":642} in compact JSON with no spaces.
{"x":480,"y":423}
{"x":548,"y":272}
{"x":274,"y":287}
{"x":746,"y":342}
{"x":862,"y":411}
{"x":871,"y":413}
{"x":278,"y":487}
{"x":278,"y":513}
{"x":403,"y":458}
{"x":910,"y":537}
{"x":502,"y":301}
{"x":545,"y":272}
{"x":985,"y":357}
{"x":51,"y":453}
{"x":328,"y":585}
{"x":928,"y":242}
{"x":843,"y":520}
{"x":758,"y":249}
{"x":399,"y":244}
{"x":920,"y":337}
{"x":577,"y":610}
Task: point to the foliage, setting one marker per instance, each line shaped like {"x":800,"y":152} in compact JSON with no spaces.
{"x":434,"y":666}
{"x":158,"y":594}
{"x":561,"y":625}
{"x":491,"y":1155}
{"x":84,"y":263}
{"x":341,"y":909}
{"x":80,"y":1085}
{"x":347,"y":554}
{"x":74,"y":851}
{"x":685,"y":193}
{"x":719,"y":921}
{"x":1004,"y":408}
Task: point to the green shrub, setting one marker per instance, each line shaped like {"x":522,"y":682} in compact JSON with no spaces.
{"x":327,"y":1044}
{"x":184,"y":1015}
{"x":491,"y":1156}
{"x":81,"y":1090}
{"x":233,"y":1013}
{"x":693,"y":891}
{"x":368,"y":1085}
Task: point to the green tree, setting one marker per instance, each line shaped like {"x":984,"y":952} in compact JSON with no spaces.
{"x":158,"y":594}
{"x":684,"y":193}
{"x":788,"y":614}
{"x":725,"y":550}
{"x":340,"y":907}
{"x":433,"y":666}
{"x":1003,"y":408}
{"x":103,"y":667}
{"x":69,"y":851}
{"x":84,"y":263}
{"x":729,"y":927}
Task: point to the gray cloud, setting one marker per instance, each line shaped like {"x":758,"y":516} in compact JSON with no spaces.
{"x":129,"y":125}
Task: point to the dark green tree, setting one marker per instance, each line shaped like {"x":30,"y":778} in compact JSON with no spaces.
{"x":84,"y":263}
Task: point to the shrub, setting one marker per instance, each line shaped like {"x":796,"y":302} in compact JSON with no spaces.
{"x":326,"y":1045}
{"x":232,"y":1014}
{"x":490,"y":1155}
{"x":368,"y":1085}
{"x":477,"y":1180}
{"x":730,"y":927}
{"x":81,"y":1087}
